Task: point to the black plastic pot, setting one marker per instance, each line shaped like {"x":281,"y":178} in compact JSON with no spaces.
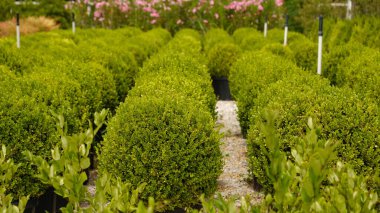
{"x":48,"y":202}
{"x":221,"y":88}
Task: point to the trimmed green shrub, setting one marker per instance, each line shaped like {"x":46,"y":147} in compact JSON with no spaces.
{"x":362,"y":74}
{"x":63,"y":95}
{"x":170,"y":82}
{"x":340,"y":113}
{"x":25,"y":124}
{"x":148,"y":134}
{"x":188,"y":32}
{"x":277,"y":35}
{"x":221,"y":57}
{"x":365,"y":31}
{"x":221,"y":52}
{"x":336,"y":57}
{"x":306,"y":54}
{"x":151,"y":41}
{"x":215,"y":36}
{"x":118,"y":61}
{"x":96,"y":82}
{"x":6,"y":74}
{"x":252,"y":73}
{"x":240,"y":34}
{"x":280,"y":50}
{"x":13,"y":58}
{"x":253,"y":42}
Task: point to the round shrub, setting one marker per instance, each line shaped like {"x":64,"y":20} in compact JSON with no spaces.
{"x":251,"y":74}
{"x":118,"y":61}
{"x":97,"y":84}
{"x":152,"y":40}
{"x":339,"y":113}
{"x":177,"y":61}
{"x":362,"y":74}
{"x":336,"y":57}
{"x":277,"y":35}
{"x":240,"y":34}
{"x":61,"y":94}
{"x":6,"y":74}
{"x":254,"y":42}
{"x":221,"y":57}
{"x":306,"y":54}
{"x":185,"y":44}
{"x":169,"y":82}
{"x":25,"y":124}
{"x":280,"y":50}
{"x":188,"y":32}
{"x":167,"y":142}
{"x":215,"y":36}
{"x":13,"y":58}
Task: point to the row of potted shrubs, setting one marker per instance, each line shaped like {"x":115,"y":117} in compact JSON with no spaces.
{"x":57,"y":73}
{"x":163,"y":134}
{"x":346,"y":64}
{"x":271,"y":78}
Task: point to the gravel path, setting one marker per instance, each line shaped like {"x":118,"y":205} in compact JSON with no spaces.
{"x":232,"y":182}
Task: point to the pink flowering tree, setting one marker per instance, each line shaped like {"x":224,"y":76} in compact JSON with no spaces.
{"x":176,"y":14}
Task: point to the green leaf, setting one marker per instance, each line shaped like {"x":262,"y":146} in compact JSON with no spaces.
{"x":85,"y":163}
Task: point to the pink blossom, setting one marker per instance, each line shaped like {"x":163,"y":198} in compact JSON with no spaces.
{"x":153,"y":21}
{"x":155,"y":14}
{"x":216,"y":15}
{"x":279,"y":2}
{"x":260,"y":7}
{"x":179,"y":21}
{"x":141,"y":3}
{"x":205,"y":21}
{"x":97,"y":14}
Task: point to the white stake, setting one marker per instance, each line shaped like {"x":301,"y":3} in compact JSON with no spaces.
{"x":18,"y":30}
{"x":266,"y":27}
{"x":286,"y":31}
{"x":73,"y":23}
{"x":320,"y":40}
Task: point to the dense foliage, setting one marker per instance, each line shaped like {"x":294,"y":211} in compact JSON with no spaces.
{"x":221,"y":52}
{"x":62,"y":76}
{"x":163,"y":134}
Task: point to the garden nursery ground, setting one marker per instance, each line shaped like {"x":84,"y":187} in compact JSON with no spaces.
{"x":135,"y":112}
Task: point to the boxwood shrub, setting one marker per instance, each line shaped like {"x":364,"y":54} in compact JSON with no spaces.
{"x":25,"y":124}
{"x":63,"y":95}
{"x":221,"y":51}
{"x":169,"y":143}
{"x":306,"y":54}
{"x":165,"y":122}
{"x":336,"y":57}
{"x":241,"y":33}
{"x":97,"y":84}
{"x":249,"y":39}
{"x":362,"y":74}
{"x":252,"y":73}
{"x":221,"y":57}
{"x":215,"y":36}
{"x":192,"y":87}
{"x":277,"y":35}
{"x":280,"y":50}
{"x":340,"y":113}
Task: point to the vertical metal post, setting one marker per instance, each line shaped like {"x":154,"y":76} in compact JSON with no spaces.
{"x":266,"y":27}
{"x":286,"y":30}
{"x":18,"y":30}
{"x":320,"y":40}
